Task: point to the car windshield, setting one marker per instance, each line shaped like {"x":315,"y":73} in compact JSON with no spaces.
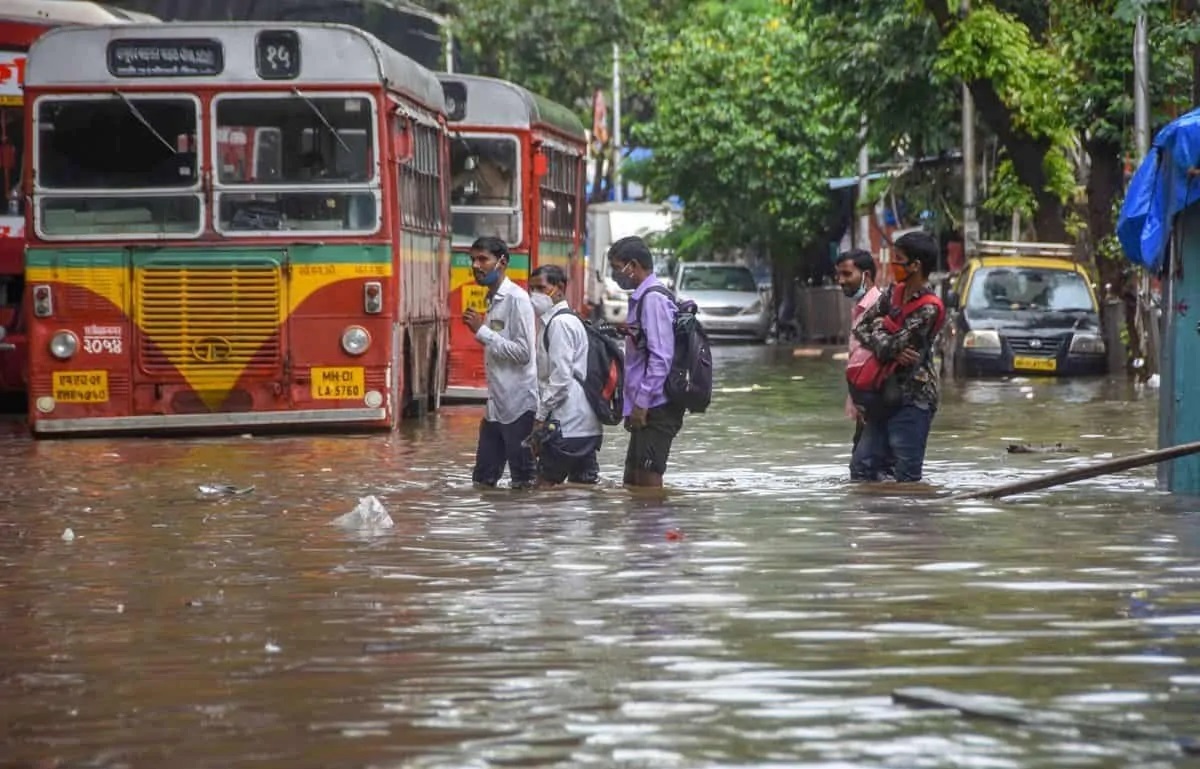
{"x":718,"y":278}
{"x":1030,"y":288}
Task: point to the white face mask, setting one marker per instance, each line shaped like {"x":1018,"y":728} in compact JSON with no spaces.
{"x":541,"y":302}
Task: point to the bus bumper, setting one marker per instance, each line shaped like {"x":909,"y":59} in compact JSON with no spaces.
{"x":222,"y":422}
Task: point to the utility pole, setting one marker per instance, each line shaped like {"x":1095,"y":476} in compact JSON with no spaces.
{"x":864,"y":170}
{"x":616,"y":136}
{"x":1147,"y":321}
{"x":970,"y":222}
{"x":1141,"y":87}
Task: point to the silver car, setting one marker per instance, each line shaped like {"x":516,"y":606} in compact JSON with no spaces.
{"x":728,"y":297}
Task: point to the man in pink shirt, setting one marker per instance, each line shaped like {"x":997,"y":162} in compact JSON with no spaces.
{"x":856,"y":276}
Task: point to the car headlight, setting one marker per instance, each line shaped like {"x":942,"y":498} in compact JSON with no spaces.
{"x":355,"y":340}
{"x":63,"y":345}
{"x":985,"y":339}
{"x":1090,"y":344}
{"x":753,"y":309}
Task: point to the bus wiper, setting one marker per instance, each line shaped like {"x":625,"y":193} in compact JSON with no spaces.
{"x":321,"y":116}
{"x":137,"y":113}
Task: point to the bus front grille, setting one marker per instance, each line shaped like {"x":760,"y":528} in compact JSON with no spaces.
{"x":212,"y":322}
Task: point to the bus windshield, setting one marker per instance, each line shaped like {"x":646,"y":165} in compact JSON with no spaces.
{"x":290,"y":146}
{"x":108,"y":165}
{"x":485,"y":188}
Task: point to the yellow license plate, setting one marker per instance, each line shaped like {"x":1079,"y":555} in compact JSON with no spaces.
{"x":474,"y":298}
{"x":80,"y":386}
{"x":1035,"y":364}
{"x":335,"y":384}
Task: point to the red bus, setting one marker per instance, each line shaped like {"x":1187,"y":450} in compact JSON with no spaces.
{"x":233,"y":226}
{"x":22,"y":22}
{"x":517,"y":165}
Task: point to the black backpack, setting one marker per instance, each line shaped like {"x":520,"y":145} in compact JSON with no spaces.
{"x":690,"y":381}
{"x":605,"y":380}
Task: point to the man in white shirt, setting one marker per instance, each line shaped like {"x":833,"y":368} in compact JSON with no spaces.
{"x":507,"y":333}
{"x":567,"y":430}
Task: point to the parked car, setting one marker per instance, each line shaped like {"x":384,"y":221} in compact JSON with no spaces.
{"x":1017,"y":314}
{"x":728,"y":298}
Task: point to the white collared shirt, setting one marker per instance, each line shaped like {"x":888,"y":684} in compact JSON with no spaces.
{"x":562,"y":356}
{"x":508,"y":338}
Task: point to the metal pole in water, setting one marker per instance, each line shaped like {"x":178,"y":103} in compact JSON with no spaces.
{"x":616,"y":148}
{"x":970,"y":223}
{"x":1146,"y":323}
{"x":864,"y":170}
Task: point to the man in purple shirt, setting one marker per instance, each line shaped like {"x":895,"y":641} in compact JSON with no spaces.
{"x":652,"y":421}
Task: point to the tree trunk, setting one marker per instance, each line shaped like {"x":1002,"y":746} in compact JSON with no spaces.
{"x":1105,"y":182}
{"x":1028,"y":153}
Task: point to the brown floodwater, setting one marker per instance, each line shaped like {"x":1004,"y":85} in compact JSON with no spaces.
{"x":759,"y":614}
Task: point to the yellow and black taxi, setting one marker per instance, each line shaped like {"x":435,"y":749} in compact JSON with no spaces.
{"x":1023,"y":308}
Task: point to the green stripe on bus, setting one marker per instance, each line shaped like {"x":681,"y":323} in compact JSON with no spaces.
{"x":515,"y":261}
{"x":67,"y":258}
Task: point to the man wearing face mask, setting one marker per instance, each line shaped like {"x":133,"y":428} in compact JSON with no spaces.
{"x":856,"y":276}
{"x":650,"y":417}
{"x":900,"y":331}
{"x":507,"y":334}
{"x":567,"y":431}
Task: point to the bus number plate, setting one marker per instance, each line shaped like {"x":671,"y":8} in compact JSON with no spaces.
{"x":335,"y":384}
{"x":80,"y":386}
{"x":475,"y":298}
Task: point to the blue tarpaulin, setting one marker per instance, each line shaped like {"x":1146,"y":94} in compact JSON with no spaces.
{"x":1162,"y":186}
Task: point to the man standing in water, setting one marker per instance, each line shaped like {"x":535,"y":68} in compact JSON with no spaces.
{"x":856,"y":276}
{"x":901,"y":329}
{"x":507,"y":334}
{"x":651,"y":419}
{"x":568,"y":431}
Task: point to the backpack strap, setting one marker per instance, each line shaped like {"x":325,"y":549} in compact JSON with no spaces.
{"x":546,"y":326}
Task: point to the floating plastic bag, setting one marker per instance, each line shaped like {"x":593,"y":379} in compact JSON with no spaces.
{"x":368,"y":515}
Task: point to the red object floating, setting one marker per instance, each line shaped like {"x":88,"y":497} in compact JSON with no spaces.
{"x":674,"y":535}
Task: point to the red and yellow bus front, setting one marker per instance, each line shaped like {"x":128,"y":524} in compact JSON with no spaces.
{"x":175,"y":282}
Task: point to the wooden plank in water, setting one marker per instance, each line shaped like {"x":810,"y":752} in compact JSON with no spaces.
{"x":974,"y":706}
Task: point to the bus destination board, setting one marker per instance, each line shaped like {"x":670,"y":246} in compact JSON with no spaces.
{"x":148,"y":57}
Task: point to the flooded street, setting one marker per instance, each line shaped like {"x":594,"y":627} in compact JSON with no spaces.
{"x":760,"y":615}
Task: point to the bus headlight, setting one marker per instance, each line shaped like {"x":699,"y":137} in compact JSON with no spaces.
{"x":355,"y":340}
{"x":63,"y":345}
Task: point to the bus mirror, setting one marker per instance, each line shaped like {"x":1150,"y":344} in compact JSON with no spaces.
{"x":402,"y":138}
{"x":541,"y":166}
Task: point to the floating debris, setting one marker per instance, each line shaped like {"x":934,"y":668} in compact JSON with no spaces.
{"x":68,"y":535}
{"x":368,"y":515}
{"x":222,"y":489}
{"x":1029,"y":448}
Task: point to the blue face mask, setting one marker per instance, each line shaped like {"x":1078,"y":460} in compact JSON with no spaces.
{"x":490,"y":278}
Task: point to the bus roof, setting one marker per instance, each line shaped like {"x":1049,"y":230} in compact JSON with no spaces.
{"x":501,"y":104}
{"x":329,"y":54}
{"x":57,"y":12}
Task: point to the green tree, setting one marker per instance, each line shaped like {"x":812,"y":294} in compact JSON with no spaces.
{"x":743,"y":132}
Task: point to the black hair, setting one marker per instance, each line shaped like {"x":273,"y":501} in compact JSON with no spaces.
{"x":920,"y":247}
{"x":860,"y":258}
{"x":632,"y":249}
{"x":553,"y":274}
{"x":494,"y":246}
